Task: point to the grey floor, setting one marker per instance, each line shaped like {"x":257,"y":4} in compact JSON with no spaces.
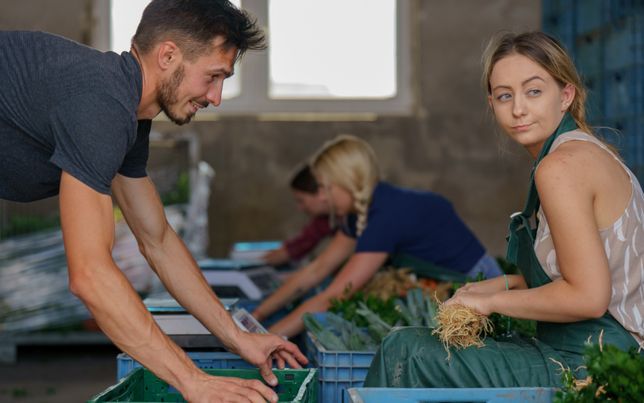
{"x":61,"y":374}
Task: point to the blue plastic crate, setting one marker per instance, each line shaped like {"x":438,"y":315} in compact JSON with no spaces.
{"x":633,"y":134}
{"x":618,"y":10}
{"x":625,"y":92}
{"x":337,"y":370}
{"x":590,"y":15}
{"x":624,"y":43}
{"x":595,"y":104}
{"x":489,"y":395}
{"x":588,"y":55}
{"x":559,"y":20}
{"x":629,"y":140}
{"x":204,"y":360}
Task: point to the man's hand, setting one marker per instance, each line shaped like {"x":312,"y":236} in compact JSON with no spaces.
{"x":262,"y":349}
{"x":215,"y":389}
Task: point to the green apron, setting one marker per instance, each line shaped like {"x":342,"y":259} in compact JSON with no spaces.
{"x":569,"y":337}
{"x":423,"y":268}
{"x":412,"y":357}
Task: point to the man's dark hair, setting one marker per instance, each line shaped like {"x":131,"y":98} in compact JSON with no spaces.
{"x":304,"y":181}
{"x":193,"y":24}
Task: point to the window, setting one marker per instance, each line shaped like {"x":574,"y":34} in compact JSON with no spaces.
{"x":317,"y":52}
{"x":328,"y":57}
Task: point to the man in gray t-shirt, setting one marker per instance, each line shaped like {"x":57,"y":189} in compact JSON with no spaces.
{"x":75,"y":121}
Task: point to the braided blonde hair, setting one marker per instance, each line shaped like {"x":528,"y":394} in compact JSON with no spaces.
{"x":350,"y":163}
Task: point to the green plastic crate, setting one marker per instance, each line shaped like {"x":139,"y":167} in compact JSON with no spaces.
{"x":142,"y":386}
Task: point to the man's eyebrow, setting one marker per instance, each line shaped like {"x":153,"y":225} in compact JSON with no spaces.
{"x":227,"y":73}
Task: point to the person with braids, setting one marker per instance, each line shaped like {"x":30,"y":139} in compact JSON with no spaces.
{"x":75,"y":122}
{"x":383,"y":221}
{"x":581,"y":268}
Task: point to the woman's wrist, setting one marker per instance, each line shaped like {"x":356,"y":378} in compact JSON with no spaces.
{"x":496,"y":300}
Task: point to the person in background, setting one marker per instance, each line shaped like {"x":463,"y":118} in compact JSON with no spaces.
{"x":382,"y":221}
{"x":312,"y":200}
{"x":581,"y":271}
{"x":75,"y":122}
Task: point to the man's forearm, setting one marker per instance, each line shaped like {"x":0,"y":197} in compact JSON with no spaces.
{"x":119,"y":312}
{"x":184,"y":280}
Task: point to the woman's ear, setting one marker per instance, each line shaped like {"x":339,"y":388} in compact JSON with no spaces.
{"x":567,"y":96}
{"x":489,"y":102}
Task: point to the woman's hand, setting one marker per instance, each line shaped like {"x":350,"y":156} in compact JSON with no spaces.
{"x":472,"y":297}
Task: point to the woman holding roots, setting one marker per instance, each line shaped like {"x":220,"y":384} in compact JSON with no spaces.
{"x":581,"y":267}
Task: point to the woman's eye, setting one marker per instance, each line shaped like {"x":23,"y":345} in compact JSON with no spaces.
{"x":534,"y":92}
{"x":503,"y":97}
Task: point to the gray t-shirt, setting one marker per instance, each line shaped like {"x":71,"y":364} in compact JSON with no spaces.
{"x":65,"y":106}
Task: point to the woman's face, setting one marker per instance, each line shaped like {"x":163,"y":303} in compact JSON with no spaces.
{"x":339,"y":199}
{"x":527,"y":101}
{"x":313,"y":204}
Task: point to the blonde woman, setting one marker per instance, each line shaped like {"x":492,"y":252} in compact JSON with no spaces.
{"x":581,"y":271}
{"x":383,"y":221}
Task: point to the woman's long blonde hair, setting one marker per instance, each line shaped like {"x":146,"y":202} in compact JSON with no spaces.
{"x":547,"y":53}
{"x":350,"y":163}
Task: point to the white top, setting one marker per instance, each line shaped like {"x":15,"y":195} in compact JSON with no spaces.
{"x":623,"y":244}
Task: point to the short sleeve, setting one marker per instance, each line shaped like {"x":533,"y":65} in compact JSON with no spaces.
{"x":136,"y":160}
{"x":348,"y":226}
{"x":92,"y":134}
{"x":379,"y":235}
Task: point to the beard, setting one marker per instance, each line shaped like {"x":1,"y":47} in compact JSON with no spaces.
{"x":168,"y":98}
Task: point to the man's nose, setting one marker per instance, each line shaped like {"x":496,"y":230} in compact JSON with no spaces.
{"x":214,"y":93}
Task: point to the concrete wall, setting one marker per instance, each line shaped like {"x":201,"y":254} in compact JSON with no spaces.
{"x":449,"y":145}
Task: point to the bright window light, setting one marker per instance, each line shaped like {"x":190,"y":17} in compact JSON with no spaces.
{"x":332,"y":49}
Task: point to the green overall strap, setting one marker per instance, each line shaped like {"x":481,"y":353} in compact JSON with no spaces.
{"x":521,"y":220}
{"x":561,"y":336}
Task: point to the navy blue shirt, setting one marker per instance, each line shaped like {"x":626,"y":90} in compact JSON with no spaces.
{"x":65,"y":106}
{"x":420,"y":224}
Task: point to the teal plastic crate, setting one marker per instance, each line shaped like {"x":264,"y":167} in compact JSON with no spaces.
{"x":588,"y":55}
{"x":337,"y":370}
{"x":591,"y":15}
{"x":202,"y":359}
{"x":142,"y":386}
{"x":488,"y":395}
{"x":625,"y":92}
{"x":624,"y":43}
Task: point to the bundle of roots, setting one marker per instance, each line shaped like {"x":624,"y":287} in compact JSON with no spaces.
{"x":460,"y":327}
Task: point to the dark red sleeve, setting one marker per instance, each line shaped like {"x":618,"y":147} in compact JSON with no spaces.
{"x":314,"y":232}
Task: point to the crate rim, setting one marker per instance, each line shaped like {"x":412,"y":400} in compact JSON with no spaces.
{"x":139,"y":372}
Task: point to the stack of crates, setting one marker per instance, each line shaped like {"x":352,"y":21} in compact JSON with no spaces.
{"x":337,"y":370}
{"x":606,"y":40}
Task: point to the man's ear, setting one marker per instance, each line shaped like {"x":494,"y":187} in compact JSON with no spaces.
{"x":168,"y":54}
{"x":568,"y":94}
